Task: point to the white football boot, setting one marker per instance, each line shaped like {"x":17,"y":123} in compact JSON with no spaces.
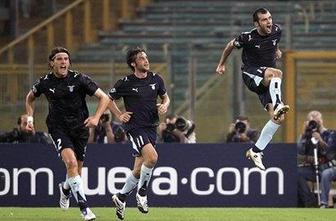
{"x":64,"y":201}
{"x":280,"y":110}
{"x":256,"y":158}
{"x":120,"y":207}
{"x":88,"y":215}
{"x":142,"y":203}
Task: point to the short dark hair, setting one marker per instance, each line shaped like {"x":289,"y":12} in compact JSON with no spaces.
{"x":131,"y":56}
{"x":56,"y":50}
{"x":259,"y":11}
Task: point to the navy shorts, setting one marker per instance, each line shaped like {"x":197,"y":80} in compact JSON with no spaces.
{"x":253,"y":77}
{"x":139,"y":137}
{"x":76,"y":139}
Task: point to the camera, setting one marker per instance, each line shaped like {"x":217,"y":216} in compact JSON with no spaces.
{"x":170,"y":127}
{"x":184,"y":125}
{"x":240,"y":127}
{"x":312,"y":127}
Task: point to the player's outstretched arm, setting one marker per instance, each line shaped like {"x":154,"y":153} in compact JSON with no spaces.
{"x":30,"y":101}
{"x":226,"y":52}
{"x":92,"y":121}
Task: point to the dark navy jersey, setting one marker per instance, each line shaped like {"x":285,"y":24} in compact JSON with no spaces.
{"x":258,"y":50}
{"x":66,"y":97}
{"x":140,"y":97}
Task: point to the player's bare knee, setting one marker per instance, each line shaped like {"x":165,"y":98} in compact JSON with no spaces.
{"x":151,"y":160}
{"x":276,"y":73}
{"x":279,"y":73}
{"x":71,"y":164}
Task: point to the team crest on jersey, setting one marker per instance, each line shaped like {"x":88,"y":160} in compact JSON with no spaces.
{"x":274,"y":42}
{"x":152,"y":86}
{"x":71,"y":88}
{"x":249,"y":38}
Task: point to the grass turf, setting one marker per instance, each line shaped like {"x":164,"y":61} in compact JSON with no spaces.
{"x":172,"y":214}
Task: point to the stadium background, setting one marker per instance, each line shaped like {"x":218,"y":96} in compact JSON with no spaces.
{"x":184,"y":40}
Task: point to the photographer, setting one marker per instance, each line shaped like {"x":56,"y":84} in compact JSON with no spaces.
{"x":187,"y":127}
{"x":106,"y":131}
{"x":21,"y":135}
{"x":240,"y":131}
{"x":315,"y":135}
{"x":168,"y":133}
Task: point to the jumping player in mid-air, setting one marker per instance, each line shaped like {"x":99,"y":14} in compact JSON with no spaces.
{"x":260,"y":75}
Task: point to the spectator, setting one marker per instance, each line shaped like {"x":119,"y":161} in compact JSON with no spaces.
{"x":315,"y":135}
{"x":168,"y":133}
{"x":107,"y":131}
{"x":21,"y":135}
{"x":329,"y":174}
{"x":240,"y":131}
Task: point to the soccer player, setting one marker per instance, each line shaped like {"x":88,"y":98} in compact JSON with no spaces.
{"x":260,"y":52}
{"x":139,"y":91}
{"x":68,"y":120}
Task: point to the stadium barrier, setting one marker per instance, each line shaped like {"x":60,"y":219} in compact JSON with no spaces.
{"x":187,"y":175}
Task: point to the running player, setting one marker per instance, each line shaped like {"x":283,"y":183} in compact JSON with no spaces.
{"x":68,"y":120}
{"x":139,"y":91}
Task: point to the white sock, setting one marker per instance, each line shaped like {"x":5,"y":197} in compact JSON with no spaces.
{"x":66,"y":185}
{"x":266,"y":134}
{"x":77,"y":188}
{"x":275,"y":90}
{"x":145,"y":175}
{"x":130,"y":184}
